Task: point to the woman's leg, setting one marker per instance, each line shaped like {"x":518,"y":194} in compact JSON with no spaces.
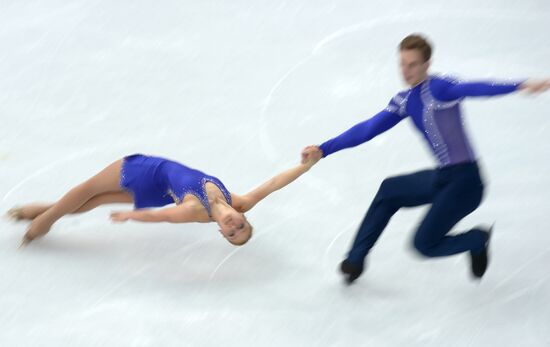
{"x":31,"y":211}
{"x":108,"y":180}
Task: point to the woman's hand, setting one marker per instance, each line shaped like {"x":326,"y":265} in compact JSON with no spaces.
{"x":120,"y":217}
{"x":535,"y":86}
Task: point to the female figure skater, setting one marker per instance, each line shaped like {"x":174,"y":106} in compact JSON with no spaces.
{"x":148,"y":181}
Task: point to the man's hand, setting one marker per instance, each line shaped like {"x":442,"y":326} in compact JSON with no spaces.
{"x":311,"y":155}
{"x":532,"y":86}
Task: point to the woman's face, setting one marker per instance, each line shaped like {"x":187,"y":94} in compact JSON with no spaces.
{"x":234,"y":227}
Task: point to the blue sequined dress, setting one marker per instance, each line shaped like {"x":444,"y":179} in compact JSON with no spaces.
{"x":156,"y":182}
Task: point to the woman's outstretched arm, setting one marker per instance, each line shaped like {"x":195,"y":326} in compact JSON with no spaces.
{"x":250,"y":199}
{"x":178,"y":214}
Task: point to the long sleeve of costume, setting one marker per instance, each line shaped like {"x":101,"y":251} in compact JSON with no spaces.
{"x":364,"y":131}
{"x":448,"y":89}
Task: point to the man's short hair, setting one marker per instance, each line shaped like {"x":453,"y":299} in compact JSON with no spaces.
{"x":416,"y":41}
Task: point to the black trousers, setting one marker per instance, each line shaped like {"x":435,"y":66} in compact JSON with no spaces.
{"x":453,"y":192}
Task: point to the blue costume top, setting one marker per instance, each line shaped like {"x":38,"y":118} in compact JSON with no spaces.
{"x":155,"y":182}
{"x":434,"y":107}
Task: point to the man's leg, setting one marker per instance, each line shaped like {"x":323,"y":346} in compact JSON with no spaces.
{"x":395,"y":192}
{"x":453,"y":203}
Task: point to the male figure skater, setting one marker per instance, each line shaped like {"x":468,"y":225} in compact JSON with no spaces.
{"x":454,"y":189}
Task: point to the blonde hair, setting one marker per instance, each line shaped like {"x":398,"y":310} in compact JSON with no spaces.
{"x":248,"y":231}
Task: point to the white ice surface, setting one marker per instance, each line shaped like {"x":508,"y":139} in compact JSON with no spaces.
{"x":237,"y":88}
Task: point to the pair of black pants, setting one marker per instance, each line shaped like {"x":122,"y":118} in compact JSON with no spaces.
{"x":454,"y":192}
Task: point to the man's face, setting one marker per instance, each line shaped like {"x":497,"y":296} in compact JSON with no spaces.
{"x":413,"y":67}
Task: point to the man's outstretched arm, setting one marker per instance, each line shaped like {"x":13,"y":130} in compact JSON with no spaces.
{"x":447,"y":90}
{"x":361,"y":132}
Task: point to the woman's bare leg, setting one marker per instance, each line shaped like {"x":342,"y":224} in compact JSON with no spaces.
{"x":105,"y":181}
{"x":31,"y":211}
